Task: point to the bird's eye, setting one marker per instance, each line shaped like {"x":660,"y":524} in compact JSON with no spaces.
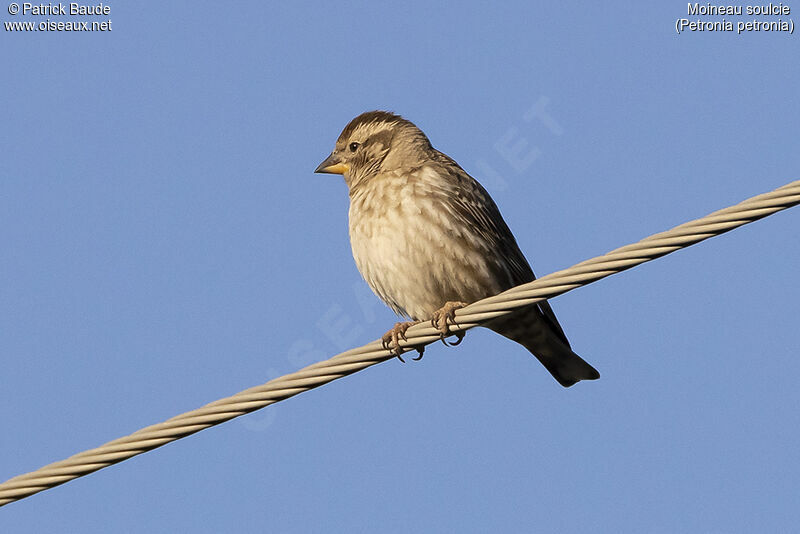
{"x":353,"y":147}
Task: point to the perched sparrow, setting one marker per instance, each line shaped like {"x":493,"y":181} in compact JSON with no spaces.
{"x":427,"y":238}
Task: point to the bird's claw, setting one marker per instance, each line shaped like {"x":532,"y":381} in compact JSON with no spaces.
{"x":443,"y":317}
{"x":459,"y":339}
{"x":391,"y":339}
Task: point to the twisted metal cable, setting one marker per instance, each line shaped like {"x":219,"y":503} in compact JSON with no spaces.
{"x":360,"y":358}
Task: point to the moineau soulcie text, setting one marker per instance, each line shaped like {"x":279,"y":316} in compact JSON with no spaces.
{"x":713,"y":9}
{"x":73,"y":8}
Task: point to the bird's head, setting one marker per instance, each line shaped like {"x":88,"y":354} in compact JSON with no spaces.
{"x":373,"y":142}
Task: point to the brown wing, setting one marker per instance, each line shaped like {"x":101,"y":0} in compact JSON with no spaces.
{"x":472,"y":202}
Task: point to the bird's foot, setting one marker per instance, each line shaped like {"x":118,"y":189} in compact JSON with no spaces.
{"x":391,"y":340}
{"x":443,"y":317}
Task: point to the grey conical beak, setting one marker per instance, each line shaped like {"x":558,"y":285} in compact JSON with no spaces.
{"x":332,"y":165}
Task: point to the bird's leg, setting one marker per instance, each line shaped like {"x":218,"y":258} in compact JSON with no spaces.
{"x":391,"y":339}
{"x":440,"y":321}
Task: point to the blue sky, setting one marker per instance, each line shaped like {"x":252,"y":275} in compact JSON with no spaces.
{"x":167,"y":244}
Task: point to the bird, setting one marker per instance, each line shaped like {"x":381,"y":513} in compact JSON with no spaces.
{"x":428,"y":239}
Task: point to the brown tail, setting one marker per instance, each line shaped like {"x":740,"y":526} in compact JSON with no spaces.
{"x":537,"y":329}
